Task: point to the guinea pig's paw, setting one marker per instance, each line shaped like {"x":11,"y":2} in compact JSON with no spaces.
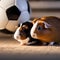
{"x":31,"y":43}
{"x":51,"y":43}
{"x":45,"y":43}
{"x":34,"y":43}
{"x":54,"y":44}
{"x":21,"y":42}
{"x":24,"y":42}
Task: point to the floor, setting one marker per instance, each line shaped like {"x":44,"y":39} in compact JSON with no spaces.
{"x":10,"y":49}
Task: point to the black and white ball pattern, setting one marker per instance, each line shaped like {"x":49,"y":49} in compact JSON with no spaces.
{"x":12,"y":13}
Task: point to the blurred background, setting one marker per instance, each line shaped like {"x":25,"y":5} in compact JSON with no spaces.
{"x":42,"y":8}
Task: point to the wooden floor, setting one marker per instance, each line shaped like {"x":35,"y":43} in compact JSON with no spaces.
{"x":10,"y":49}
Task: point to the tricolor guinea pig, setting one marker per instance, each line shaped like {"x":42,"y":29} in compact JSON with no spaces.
{"x":47,"y":29}
{"x":22,"y":34}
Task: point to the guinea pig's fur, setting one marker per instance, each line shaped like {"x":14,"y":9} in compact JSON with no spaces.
{"x":47,"y":29}
{"x":35,"y":19}
{"x":22,"y":34}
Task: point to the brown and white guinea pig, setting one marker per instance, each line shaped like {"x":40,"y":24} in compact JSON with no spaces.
{"x":47,"y":29}
{"x":22,"y":34}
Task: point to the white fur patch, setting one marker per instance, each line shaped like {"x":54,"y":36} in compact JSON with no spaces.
{"x":47,"y":25}
{"x":33,"y":29}
{"x":16,"y":34}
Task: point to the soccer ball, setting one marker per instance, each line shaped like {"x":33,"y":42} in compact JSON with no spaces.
{"x":12,"y":13}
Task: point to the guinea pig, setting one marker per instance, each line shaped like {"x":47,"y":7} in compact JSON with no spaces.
{"x":22,"y":32}
{"x":47,"y":29}
{"x":23,"y":36}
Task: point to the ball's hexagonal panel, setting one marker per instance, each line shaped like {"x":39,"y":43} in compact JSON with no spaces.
{"x":13,"y":13}
{"x":21,"y":4}
{"x":12,"y":26}
{"x":24,"y":16}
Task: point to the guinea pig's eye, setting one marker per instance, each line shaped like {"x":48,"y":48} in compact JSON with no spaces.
{"x":39,"y":28}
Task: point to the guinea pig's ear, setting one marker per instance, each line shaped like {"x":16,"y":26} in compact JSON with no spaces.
{"x":20,"y":24}
{"x":47,"y":25}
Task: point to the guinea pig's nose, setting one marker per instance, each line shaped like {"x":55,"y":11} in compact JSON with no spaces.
{"x":22,"y":32}
{"x":34,"y":35}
